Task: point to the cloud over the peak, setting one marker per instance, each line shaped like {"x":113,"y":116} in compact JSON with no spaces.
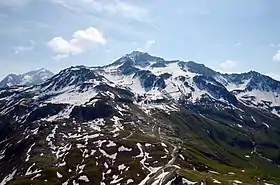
{"x":82,"y":41}
{"x":276,"y":57}
{"x":228,"y":65}
{"x":147,"y":46}
{"x":149,"y":43}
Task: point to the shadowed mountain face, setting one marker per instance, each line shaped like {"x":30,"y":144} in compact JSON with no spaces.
{"x":141,"y":120}
{"x":30,"y":78}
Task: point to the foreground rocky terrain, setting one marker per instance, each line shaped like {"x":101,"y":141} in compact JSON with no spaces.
{"x":141,"y":120}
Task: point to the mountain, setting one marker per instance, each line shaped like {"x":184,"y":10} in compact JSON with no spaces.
{"x":30,"y":78}
{"x":142,"y":120}
{"x":189,"y":81}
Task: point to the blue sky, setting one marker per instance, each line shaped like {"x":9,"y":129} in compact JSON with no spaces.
{"x":226,"y":35}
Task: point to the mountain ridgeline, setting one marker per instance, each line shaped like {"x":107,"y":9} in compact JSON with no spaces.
{"x":141,"y":120}
{"x":29,"y":78}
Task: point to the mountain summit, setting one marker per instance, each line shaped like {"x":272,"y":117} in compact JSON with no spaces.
{"x":190,"y":81}
{"x":142,"y":120}
{"x":30,"y":78}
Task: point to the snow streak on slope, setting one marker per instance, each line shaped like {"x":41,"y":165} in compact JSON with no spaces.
{"x":171,"y":68}
{"x":73,"y":98}
{"x":234,"y":86}
{"x":175,"y":86}
{"x":260,"y":97}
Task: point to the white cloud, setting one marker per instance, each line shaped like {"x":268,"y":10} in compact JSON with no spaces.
{"x":276,"y":57}
{"x":228,"y":65}
{"x":238,"y":44}
{"x":149,"y":43}
{"x":127,"y":10}
{"x":112,"y":8}
{"x":14,"y":3}
{"x":21,"y":49}
{"x":82,"y":41}
{"x":60,"y":56}
{"x":147,"y":46}
{"x":275,"y":45}
{"x":274,"y":75}
{"x":106,"y":7}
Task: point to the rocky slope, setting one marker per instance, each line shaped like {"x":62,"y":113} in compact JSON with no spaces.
{"x":30,"y":78}
{"x":141,"y":120}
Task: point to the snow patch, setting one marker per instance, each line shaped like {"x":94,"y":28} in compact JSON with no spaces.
{"x":8,"y":178}
{"x":58,"y":175}
{"x":237,"y":182}
{"x":111,"y":144}
{"x":265,"y":124}
{"x":147,"y":144}
{"x":113,"y":156}
{"x":253,"y":119}
{"x":124,"y":149}
{"x":117,"y":125}
{"x":121,"y":167}
{"x":27,"y":154}
{"x":216,"y":181}
{"x":129,"y":181}
{"x":84,"y":178}
{"x":116,"y":179}
{"x":73,"y":98}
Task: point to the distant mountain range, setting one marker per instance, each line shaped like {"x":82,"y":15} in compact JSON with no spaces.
{"x":141,"y":120}
{"x":30,"y":78}
{"x":191,"y":82}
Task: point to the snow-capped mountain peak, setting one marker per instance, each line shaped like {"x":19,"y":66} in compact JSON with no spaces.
{"x":191,"y":81}
{"x":10,"y":80}
{"x":74,"y":77}
{"x":30,"y":78}
{"x":137,"y":58}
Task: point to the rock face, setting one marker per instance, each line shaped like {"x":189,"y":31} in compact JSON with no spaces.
{"x":30,"y":78}
{"x":141,"y":120}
